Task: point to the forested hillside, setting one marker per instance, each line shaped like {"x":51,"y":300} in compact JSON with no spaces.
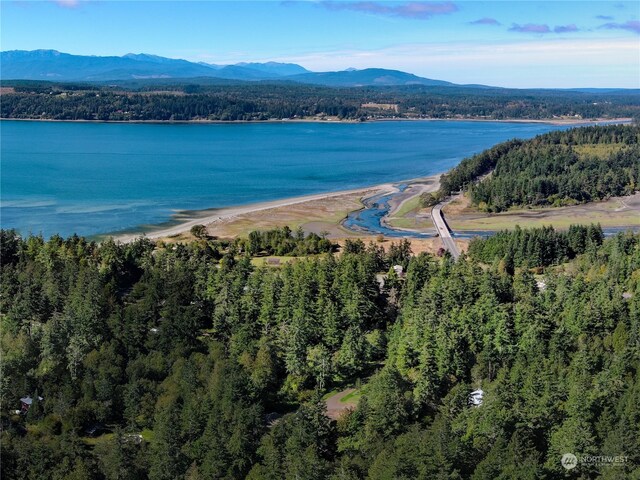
{"x":555,"y":169}
{"x":175,"y":362}
{"x":536,"y":247}
{"x":222,"y":100}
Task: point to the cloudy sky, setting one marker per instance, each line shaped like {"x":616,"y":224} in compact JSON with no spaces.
{"x":504,"y":43}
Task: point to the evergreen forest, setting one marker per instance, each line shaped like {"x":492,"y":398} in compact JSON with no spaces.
{"x":152,"y":361}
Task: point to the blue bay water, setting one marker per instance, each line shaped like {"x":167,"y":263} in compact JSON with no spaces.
{"x":95,"y":178}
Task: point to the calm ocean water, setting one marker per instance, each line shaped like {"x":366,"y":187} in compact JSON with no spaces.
{"x":94,"y":178}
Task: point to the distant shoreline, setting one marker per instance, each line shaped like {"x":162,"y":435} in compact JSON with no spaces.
{"x":549,"y":121}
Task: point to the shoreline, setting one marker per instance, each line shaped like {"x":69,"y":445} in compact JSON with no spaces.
{"x":181,"y":221}
{"x":212,"y":217}
{"x":215,"y":216}
{"x":548,"y":121}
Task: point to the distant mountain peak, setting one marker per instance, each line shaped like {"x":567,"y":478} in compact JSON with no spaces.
{"x":274,"y":68}
{"x":367,"y":77}
{"x":48,"y":64}
{"x":145,"y":56}
{"x":38,"y":52}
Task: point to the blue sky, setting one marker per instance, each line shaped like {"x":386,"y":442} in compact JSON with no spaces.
{"x":504,"y":43}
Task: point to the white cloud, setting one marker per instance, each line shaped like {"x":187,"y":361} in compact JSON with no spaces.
{"x":67,"y":3}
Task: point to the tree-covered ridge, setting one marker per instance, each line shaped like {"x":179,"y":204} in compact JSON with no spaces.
{"x":558,"y":168}
{"x":536,"y":247}
{"x":197,"y":349}
{"x":180,"y":101}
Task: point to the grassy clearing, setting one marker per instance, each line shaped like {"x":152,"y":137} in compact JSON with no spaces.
{"x":406,"y":217}
{"x":598,"y":150}
{"x":352,"y":398}
{"x":93,"y":441}
{"x":147,"y":435}
{"x":458,"y":206}
{"x":611,"y":213}
{"x":281,"y":260}
{"x":331,"y":393}
{"x":408,"y":206}
{"x":509,"y":222}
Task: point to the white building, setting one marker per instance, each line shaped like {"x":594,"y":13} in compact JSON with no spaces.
{"x":476,"y":397}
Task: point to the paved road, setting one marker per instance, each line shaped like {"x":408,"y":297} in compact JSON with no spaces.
{"x":443,"y":229}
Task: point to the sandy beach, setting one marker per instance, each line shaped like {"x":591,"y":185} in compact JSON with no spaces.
{"x":317,"y":213}
{"x":214,"y":219}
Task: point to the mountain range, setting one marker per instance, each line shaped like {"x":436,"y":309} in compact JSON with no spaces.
{"x":57,"y":66}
